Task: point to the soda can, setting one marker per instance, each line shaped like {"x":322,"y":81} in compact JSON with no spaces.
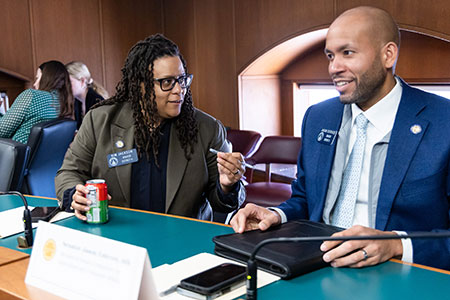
{"x":98,"y":195}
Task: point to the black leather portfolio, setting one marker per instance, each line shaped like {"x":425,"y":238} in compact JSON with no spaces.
{"x":286,"y":260}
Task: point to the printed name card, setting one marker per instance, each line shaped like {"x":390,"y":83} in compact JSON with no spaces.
{"x":78,"y":265}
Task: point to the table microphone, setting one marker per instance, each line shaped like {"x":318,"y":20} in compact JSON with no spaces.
{"x":252,"y":266}
{"x":28,"y":241}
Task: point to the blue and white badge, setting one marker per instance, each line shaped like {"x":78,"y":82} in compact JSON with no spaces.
{"x":122,"y":158}
{"x":326,"y":136}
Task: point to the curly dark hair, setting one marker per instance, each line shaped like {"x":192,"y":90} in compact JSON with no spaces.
{"x":137,"y":87}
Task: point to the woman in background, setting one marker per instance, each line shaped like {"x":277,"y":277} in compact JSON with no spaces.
{"x":51,"y":98}
{"x":86,"y":91}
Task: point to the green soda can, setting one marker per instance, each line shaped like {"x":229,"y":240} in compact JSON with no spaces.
{"x":98,"y":195}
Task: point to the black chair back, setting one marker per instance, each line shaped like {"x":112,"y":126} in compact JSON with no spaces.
{"x":13,"y":160}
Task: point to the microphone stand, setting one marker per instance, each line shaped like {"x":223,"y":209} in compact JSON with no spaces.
{"x":252,"y":265}
{"x":28,"y":240}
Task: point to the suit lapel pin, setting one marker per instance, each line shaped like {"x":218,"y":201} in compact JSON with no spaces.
{"x":119,"y":144}
{"x":416,"y":129}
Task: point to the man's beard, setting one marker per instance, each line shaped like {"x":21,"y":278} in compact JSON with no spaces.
{"x":368,"y":85}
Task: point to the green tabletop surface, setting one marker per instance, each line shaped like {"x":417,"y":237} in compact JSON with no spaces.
{"x":169,"y":239}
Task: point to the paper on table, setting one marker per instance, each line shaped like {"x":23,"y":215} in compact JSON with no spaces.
{"x":60,"y":216}
{"x":11,"y":220}
{"x":167,"y":276}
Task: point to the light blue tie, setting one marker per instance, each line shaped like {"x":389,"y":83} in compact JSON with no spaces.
{"x":345,"y":204}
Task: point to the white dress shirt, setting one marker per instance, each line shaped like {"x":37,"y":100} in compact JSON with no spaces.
{"x":381,"y":118}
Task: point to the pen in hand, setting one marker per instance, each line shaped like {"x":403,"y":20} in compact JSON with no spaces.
{"x":244,"y":163}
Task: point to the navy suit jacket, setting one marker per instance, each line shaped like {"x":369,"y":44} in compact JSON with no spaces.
{"x":415,"y":186}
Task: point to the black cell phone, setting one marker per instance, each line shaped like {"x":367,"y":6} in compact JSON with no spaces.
{"x":44,"y":213}
{"x":213,"y":282}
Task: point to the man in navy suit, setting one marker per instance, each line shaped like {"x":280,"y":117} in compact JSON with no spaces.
{"x":402,"y":181}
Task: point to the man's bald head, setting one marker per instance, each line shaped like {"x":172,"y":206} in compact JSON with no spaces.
{"x":379,"y":24}
{"x":362,"y":50}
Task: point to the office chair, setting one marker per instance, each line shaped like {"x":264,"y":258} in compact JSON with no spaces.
{"x":243,"y":141}
{"x":273,"y":149}
{"x":13,"y":160}
{"x":48,"y":142}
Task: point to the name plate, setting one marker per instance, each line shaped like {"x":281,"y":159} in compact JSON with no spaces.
{"x":122,"y":158}
{"x":78,"y":265}
{"x":327,"y":136}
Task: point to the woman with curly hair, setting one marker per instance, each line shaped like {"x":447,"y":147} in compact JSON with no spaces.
{"x":151,"y":145}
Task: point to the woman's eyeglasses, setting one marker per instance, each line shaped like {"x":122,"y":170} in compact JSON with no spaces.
{"x":167,"y":84}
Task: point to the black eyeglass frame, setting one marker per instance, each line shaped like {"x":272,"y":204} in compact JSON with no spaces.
{"x":184,"y":81}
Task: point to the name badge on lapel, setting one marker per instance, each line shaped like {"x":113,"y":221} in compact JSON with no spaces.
{"x":326,"y":136}
{"x":122,"y":158}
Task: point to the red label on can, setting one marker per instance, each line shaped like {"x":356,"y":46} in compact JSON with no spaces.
{"x":98,"y":195}
{"x":102,"y":191}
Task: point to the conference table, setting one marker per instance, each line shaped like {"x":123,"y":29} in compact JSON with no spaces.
{"x":169,"y":239}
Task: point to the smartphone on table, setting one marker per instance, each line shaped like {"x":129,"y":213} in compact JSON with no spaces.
{"x":213,"y":282}
{"x":44,"y":213}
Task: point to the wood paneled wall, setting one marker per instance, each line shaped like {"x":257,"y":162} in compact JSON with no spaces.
{"x":219,"y":39}
{"x":223,"y":38}
{"x":124,"y":24}
{"x":16,"y":53}
{"x":64,"y":31}
{"x":96,"y":32}
{"x":204,"y":31}
{"x":422,"y":59}
{"x":263,"y":24}
{"x":11,"y":85}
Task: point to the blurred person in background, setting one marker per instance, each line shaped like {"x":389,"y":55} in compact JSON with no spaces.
{"x":51,"y":98}
{"x":86,"y":91}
